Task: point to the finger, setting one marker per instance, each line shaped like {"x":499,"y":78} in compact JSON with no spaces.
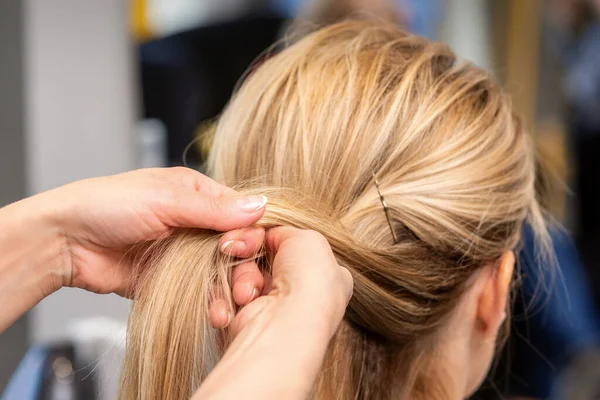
{"x":219,"y":314}
{"x":245,"y":242}
{"x":247,"y":282}
{"x":189,"y":209}
{"x":197,"y":201}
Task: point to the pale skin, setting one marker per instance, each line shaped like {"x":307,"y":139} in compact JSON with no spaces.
{"x":79,"y":235}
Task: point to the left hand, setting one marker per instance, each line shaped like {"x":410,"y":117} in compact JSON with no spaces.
{"x":95,"y":222}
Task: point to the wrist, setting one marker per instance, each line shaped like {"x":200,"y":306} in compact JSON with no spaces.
{"x":36,"y":244}
{"x":321,"y":312}
{"x":30,"y":266}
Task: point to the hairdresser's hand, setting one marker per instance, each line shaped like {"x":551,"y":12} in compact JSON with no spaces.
{"x":281,"y":337}
{"x":80,"y":234}
{"x":101,"y":218}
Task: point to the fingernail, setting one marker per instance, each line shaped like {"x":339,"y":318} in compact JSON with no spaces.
{"x":254,"y":294}
{"x":234,"y":247}
{"x":225,"y":314}
{"x":225,"y":245}
{"x":250,"y":289}
{"x":252,"y":204}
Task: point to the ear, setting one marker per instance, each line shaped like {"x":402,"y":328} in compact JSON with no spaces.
{"x":491,"y":310}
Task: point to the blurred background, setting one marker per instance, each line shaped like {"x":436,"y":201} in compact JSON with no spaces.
{"x":90,"y":88}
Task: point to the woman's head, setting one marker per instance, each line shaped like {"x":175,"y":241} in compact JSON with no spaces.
{"x":454,"y":165}
{"x":312,"y":128}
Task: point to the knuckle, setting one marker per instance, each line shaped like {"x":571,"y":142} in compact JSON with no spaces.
{"x":184,"y":172}
{"x":152,"y":173}
{"x":187,"y":177}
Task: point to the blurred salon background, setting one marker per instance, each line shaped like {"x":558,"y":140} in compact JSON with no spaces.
{"x":90,"y":88}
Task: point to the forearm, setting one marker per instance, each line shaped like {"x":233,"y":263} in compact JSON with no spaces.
{"x":30,"y":259}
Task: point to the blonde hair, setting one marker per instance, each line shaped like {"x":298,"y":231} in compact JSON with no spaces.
{"x":310,"y":128}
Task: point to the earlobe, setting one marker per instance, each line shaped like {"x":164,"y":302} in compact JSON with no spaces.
{"x":493,"y":297}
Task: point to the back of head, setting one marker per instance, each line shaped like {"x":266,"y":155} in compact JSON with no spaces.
{"x":312,"y":128}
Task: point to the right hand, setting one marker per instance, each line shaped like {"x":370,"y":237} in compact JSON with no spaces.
{"x":281,"y":337}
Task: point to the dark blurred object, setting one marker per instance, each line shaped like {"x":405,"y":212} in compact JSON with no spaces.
{"x":571,"y":16}
{"x":85,"y":366}
{"x":581,"y":55}
{"x":326,"y":12}
{"x":576,"y":38}
{"x":580,"y":381}
{"x":65,"y":378}
{"x":554,"y":322}
{"x":188,"y":78}
{"x":52,"y":373}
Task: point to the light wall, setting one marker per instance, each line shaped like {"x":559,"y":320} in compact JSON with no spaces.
{"x":80,"y":121}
